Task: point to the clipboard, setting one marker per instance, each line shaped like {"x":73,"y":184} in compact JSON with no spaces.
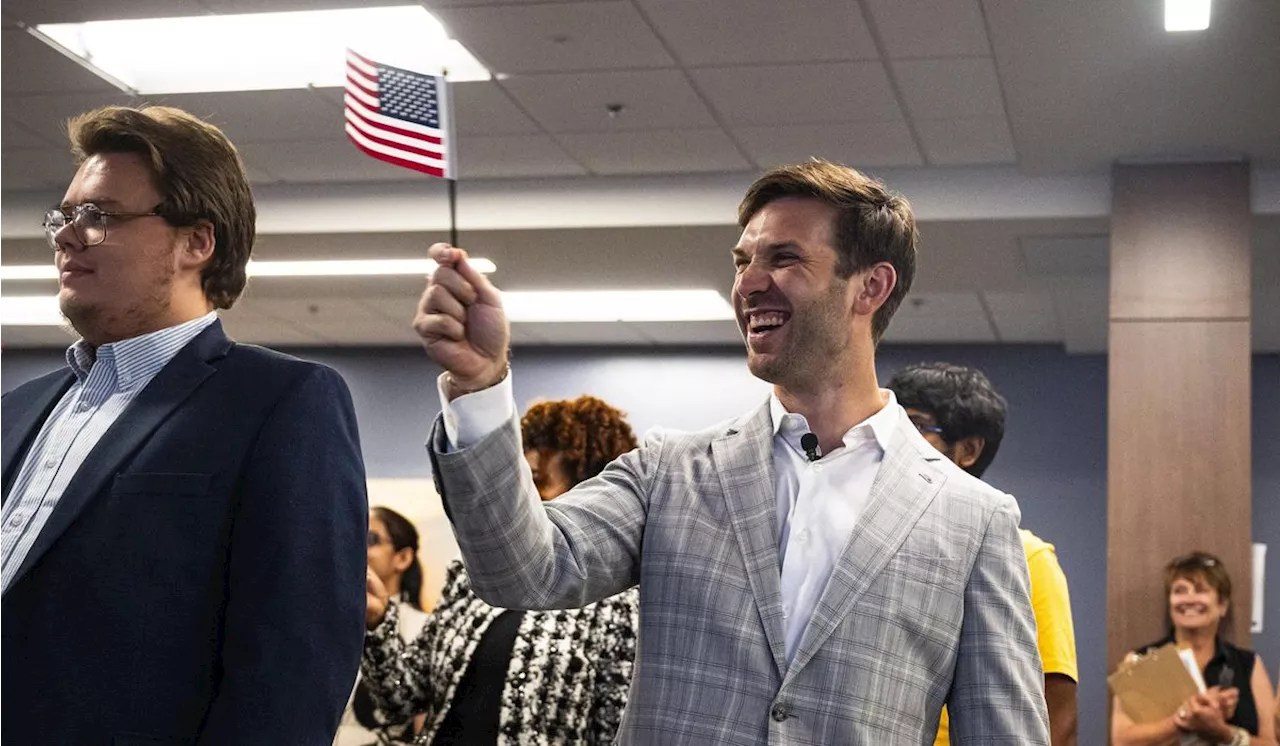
{"x":1151,"y":687}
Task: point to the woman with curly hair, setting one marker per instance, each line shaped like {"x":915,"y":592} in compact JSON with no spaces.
{"x":485,"y":675}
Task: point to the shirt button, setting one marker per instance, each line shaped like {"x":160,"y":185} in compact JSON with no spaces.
{"x":786,"y":609}
{"x":817,"y":467}
{"x":803,"y":536}
{"x":50,"y":464}
{"x":16,"y":520}
{"x":780,"y":712}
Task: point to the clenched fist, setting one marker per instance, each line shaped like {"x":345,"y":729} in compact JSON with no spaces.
{"x":462,"y":324}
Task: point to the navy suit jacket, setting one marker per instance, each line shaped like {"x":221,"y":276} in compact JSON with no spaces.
{"x":201,"y":580}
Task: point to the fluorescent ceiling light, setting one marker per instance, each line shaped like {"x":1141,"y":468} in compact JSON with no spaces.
{"x":259,"y":51}
{"x":616,"y":305}
{"x":521,"y":306}
{"x":40,"y":310}
{"x":318,"y":268}
{"x":1186,"y":15}
{"x":28,"y":272}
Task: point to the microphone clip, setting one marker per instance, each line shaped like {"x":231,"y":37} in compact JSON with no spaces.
{"x":809,"y":442}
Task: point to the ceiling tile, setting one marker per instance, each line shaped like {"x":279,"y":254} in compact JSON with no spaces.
{"x":656,"y":151}
{"x":1082,"y":306}
{"x":690,"y":332}
{"x":14,"y":135}
{"x":1023,"y":317}
{"x":727,"y":32}
{"x":310,"y":161}
{"x":28,"y":65}
{"x":71,"y":11}
{"x":48,"y":114}
{"x":556,"y":36}
{"x":652,"y":99}
{"x":585,"y":333}
{"x":800,"y":94}
{"x":941,"y":317}
{"x":42,"y":168}
{"x":1086,"y":89}
{"x":930,"y":28}
{"x":1066,"y":256}
{"x":262,"y":116}
{"x":961,"y":88}
{"x":480,"y":108}
{"x":859,"y":144}
{"x":514,"y":156}
{"x":957,"y":142}
{"x":276,"y":6}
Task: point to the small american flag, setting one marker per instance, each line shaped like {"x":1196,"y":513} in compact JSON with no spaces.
{"x":399,"y":116}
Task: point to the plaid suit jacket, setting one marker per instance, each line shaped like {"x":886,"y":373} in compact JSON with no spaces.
{"x":928,"y":603}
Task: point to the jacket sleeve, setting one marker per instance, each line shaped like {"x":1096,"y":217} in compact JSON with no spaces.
{"x":997,"y":695}
{"x":398,"y":675}
{"x":524,"y":554}
{"x":293,"y":623}
{"x":613,"y":679}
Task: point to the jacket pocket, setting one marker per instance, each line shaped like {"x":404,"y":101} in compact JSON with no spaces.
{"x":160,"y":483}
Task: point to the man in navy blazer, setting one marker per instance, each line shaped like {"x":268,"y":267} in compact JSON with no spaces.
{"x":184,"y":518}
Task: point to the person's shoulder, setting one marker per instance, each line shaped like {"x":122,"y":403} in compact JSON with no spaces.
{"x":267,"y":364}
{"x":960,"y":485}
{"x":1033,"y":545}
{"x":25,"y":391}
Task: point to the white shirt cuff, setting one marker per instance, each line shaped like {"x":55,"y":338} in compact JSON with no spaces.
{"x":470,"y":417}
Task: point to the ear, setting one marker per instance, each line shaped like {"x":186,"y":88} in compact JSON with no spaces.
{"x":402,"y":559}
{"x":198,"y":245}
{"x":967,"y":451}
{"x":874,"y":288}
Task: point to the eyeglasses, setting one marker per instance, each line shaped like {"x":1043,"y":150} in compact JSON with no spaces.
{"x":926,"y":428}
{"x":88,"y":221}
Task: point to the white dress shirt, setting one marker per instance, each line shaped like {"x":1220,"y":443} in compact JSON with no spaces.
{"x":818,"y":502}
{"x":107,"y":379}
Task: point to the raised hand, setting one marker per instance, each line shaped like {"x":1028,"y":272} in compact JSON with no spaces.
{"x":462,"y":324}
{"x":376,"y":599}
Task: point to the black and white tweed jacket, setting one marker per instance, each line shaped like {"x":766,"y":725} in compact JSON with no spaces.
{"x":568,"y":680}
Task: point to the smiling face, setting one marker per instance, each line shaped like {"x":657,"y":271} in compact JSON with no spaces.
{"x":1195,"y":605}
{"x":793,"y":309}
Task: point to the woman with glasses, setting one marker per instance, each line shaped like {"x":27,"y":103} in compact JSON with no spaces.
{"x":393,"y":558}
{"x":485,"y":675}
{"x":1238,"y":706}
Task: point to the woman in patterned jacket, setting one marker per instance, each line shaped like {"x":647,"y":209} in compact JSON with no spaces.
{"x":489,"y":676}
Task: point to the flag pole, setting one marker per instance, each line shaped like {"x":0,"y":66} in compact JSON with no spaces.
{"x":453,"y":212}
{"x":452,"y":176}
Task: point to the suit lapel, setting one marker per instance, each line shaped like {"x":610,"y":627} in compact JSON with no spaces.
{"x":744,"y":462}
{"x":905,"y":485}
{"x":153,"y":405}
{"x":21,"y":430}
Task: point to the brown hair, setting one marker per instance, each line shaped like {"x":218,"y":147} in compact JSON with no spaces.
{"x":872,"y":224}
{"x":589,"y":433}
{"x":1198,"y":565}
{"x":198,"y":174}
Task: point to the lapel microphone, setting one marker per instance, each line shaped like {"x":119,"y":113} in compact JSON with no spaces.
{"x":809,"y":442}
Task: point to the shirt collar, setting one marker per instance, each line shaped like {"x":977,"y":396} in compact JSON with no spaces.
{"x":137,"y":359}
{"x":878,"y":427}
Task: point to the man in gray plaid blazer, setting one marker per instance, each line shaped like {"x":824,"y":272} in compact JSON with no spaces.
{"x":813,"y":572}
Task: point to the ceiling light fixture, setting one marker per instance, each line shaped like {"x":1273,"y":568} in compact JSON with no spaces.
{"x":38,"y":310}
{"x":1186,"y":15}
{"x":615,"y":305}
{"x":314,"y":268}
{"x":548,"y":306}
{"x":272,"y":50}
